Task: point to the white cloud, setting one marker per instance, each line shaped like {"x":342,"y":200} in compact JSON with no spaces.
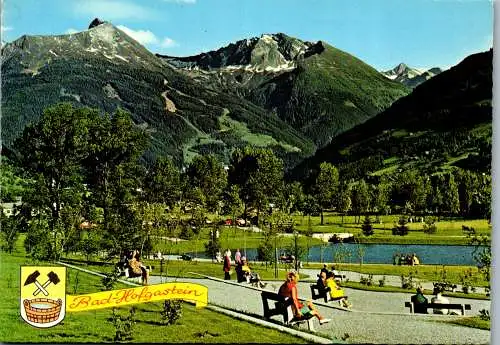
{"x":6,"y":28}
{"x":146,"y":37}
{"x":71,"y":31}
{"x":182,"y":1}
{"x":141,"y":36}
{"x":168,"y":43}
{"x":112,"y":10}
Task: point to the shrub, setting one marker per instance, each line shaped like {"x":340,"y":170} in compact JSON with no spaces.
{"x":172,"y":311}
{"x":401,"y":228}
{"x":124,"y":325}
{"x":430,"y":226}
{"x":109,"y":280}
{"x":484,"y":314}
{"x":368,"y":281}
{"x":407,"y":282}
{"x":76,"y":283}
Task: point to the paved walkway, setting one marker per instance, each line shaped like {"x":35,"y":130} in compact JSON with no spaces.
{"x":375,"y":317}
{"x":354,"y":276}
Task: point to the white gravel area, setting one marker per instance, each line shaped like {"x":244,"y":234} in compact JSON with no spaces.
{"x":376,"y":317}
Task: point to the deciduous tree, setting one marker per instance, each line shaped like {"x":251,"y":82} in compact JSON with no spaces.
{"x":326,"y":186}
{"x":51,"y":152}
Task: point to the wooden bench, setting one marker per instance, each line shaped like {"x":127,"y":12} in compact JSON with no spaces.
{"x":283,"y":306}
{"x":340,"y":277}
{"x":316,"y":294}
{"x":129,"y":275}
{"x":450,"y":306}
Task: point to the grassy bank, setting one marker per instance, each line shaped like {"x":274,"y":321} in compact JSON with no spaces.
{"x":448,"y":231}
{"x":96,"y":326}
{"x":435,"y":273}
{"x":388,"y":288}
{"x":474,"y":322}
{"x":230,"y":237}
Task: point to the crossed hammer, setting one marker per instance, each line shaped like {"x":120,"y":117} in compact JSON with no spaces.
{"x":32,"y":278}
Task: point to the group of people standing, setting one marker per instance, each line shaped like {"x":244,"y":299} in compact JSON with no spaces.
{"x":406,"y":259}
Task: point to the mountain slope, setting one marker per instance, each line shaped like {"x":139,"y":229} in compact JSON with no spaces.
{"x":445,"y":121}
{"x":319,"y":90}
{"x":103,"y":67}
{"x":410,"y":77}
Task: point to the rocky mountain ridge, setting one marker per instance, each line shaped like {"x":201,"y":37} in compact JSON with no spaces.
{"x":104,"y":68}
{"x":444,"y":122}
{"x":314,"y":87}
{"x":411,"y":77}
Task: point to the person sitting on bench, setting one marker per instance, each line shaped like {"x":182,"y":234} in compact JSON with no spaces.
{"x":289,"y":289}
{"x":336,"y":292}
{"x":440,"y":299}
{"x":249,"y":276}
{"x":137,"y":267}
{"x":419,"y":302}
{"x":321,"y":283}
{"x":122,"y":265}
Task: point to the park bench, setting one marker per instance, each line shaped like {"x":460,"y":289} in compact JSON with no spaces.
{"x":340,"y":277}
{"x":129,"y":275}
{"x":450,"y":306}
{"x":316,"y":293}
{"x":283,"y":306}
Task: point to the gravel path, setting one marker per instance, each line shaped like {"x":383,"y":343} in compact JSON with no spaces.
{"x":376,"y":317}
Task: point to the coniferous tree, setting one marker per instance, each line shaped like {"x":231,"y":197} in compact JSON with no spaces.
{"x":451,"y":201}
{"x":367,"y":226}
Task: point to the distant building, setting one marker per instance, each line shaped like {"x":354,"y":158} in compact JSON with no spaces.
{"x":8,"y":207}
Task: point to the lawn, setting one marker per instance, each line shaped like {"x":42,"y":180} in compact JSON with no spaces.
{"x":95,"y":326}
{"x":230,"y":237}
{"x":448,"y":231}
{"x":474,"y":322}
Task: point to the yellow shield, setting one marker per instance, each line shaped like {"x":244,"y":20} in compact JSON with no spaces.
{"x":43,"y":295}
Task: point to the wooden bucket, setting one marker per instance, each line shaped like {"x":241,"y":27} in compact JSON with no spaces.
{"x":42,"y":310}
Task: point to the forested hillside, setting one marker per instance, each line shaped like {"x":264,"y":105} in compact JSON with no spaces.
{"x":104,"y":68}
{"x":445,"y":122}
{"x":319,"y":90}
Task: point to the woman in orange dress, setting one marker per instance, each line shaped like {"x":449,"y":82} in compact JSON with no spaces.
{"x":289,"y":289}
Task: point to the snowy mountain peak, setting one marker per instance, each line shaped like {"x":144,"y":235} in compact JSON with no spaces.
{"x":102,"y":39}
{"x":410,"y":76}
{"x":269,"y":52}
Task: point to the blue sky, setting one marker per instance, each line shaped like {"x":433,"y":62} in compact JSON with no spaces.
{"x":383,"y":33}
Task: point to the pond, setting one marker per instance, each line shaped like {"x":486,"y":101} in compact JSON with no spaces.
{"x":383,"y":253}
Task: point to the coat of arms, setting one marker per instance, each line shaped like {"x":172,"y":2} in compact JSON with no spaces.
{"x":43,"y":295}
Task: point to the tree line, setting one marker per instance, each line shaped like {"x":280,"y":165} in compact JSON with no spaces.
{"x":80,"y":165}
